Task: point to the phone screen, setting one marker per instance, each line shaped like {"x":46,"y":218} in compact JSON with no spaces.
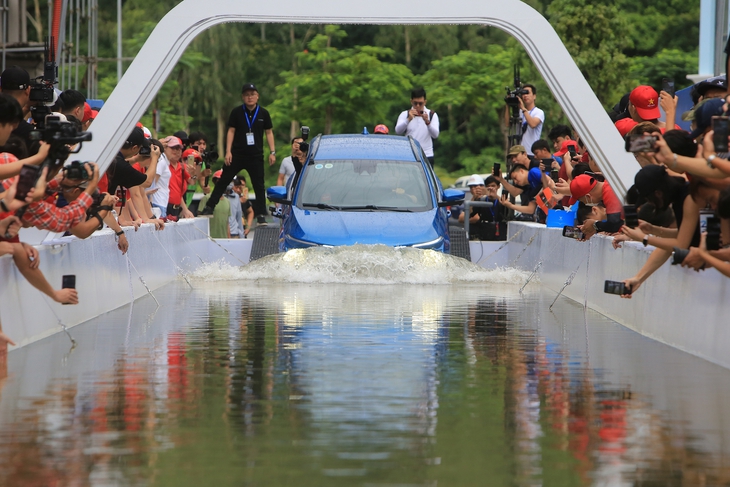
{"x":27,"y":180}
{"x":572,"y":232}
{"x":571,"y":149}
{"x":68,"y":281}
{"x":640,"y":143}
{"x":497,"y":169}
{"x":631,"y":217}
{"x":615,"y":287}
{"x":668,"y":86}
{"x":719,"y":139}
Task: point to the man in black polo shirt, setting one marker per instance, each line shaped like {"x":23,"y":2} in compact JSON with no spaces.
{"x":247,"y":125}
{"x":121,"y":174}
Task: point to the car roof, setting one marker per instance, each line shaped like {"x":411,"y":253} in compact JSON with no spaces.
{"x":364,"y":147}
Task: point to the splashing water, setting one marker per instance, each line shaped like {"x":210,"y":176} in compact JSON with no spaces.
{"x":362,"y":264}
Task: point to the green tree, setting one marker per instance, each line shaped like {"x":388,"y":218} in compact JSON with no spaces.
{"x":595,"y":35}
{"x":340,"y":90}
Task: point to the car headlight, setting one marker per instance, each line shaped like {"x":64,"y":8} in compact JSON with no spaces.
{"x":429,"y":245}
{"x":301,"y":242}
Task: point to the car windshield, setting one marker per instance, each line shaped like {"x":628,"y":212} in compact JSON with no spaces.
{"x":365,"y":185}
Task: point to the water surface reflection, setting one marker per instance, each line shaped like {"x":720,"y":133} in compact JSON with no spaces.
{"x":254,"y":383}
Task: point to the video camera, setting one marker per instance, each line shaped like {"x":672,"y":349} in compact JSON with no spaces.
{"x":512,"y":98}
{"x":304,"y":145}
{"x":42,"y":94}
{"x":59,"y":135}
{"x":209,"y":156}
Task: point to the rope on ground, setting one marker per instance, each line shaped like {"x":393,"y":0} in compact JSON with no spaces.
{"x":219,"y":245}
{"x":502,"y":246}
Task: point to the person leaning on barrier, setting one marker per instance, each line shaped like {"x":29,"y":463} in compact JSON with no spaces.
{"x":655,"y":185}
{"x":26,"y":257}
{"x":591,"y":191}
{"x":521,"y":177}
{"x":486,"y":223}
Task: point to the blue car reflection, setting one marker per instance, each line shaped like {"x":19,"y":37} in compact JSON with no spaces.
{"x":365,"y":189}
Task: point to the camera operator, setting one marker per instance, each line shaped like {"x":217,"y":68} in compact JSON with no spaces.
{"x":286,"y":170}
{"x":532,"y":117}
{"x":73,"y":104}
{"x":199,"y":142}
{"x":15,"y":82}
{"x":420,"y":123}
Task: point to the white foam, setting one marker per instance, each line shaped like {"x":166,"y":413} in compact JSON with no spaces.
{"x":362,"y":264}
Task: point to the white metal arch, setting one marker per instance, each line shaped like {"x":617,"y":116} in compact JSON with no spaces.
{"x":181,"y":25}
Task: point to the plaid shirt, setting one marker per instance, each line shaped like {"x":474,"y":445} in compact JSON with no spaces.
{"x":46,"y":216}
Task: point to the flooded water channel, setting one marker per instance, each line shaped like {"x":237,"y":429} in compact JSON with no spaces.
{"x":381,"y":368}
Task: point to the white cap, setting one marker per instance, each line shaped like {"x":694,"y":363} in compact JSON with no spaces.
{"x":147,"y":133}
{"x":475,"y":180}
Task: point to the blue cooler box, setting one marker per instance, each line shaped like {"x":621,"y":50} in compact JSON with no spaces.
{"x":561,"y":218}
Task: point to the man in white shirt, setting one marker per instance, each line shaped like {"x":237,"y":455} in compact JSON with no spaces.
{"x":420,"y":123}
{"x":161,"y":185}
{"x":287,"y":166}
{"x":532,"y":118}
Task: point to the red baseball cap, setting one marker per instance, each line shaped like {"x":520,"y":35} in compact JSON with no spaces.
{"x":218,"y":174}
{"x":646,"y":101}
{"x":194,"y":153}
{"x":564,"y":147}
{"x":581,"y":186}
{"x":173,"y":141}
{"x":88,"y":113}
{"x":380,"y":129}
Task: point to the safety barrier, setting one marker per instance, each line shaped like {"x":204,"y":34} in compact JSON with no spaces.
{"x":676,"y":306}
{"x":106,"y":279}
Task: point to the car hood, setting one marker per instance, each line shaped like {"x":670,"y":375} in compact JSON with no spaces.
{"x":363,"y":227}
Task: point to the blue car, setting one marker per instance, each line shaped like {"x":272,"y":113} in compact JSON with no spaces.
{"x":365,"y":189}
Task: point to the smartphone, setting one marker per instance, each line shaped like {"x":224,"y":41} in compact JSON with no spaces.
{"x":28,"y":178}
{"x":631,"y":217}
{"x":571,"y":149}
{"x":616,"y":287}
{"x":191,"y":160}
{"x":668,"y":86}
{"x":121,"y":194}
{"x":497,"y":169}
{"x":554,"y":175}
{"x":68,"y":281}
{"x":720,"y":127}
{"x":713,"y":233}
{"x":640,"y":143}
{"x":573,"y":232}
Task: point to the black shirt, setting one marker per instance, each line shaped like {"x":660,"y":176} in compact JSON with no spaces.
{"x":239,"y":119}
{"x":121,"y":173}
{"x":23,"y":131}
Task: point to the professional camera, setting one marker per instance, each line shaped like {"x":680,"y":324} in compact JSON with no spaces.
{"x":59,"y":135}
{"x":76,"y":170}
{"x":304,"y":145}
{"x":42,"y":95}
{"x":209,"y":157}
{"x":513,"y":95}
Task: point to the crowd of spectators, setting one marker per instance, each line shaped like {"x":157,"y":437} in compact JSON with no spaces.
{"x":150,"y":181}
{"x":679,"y":204}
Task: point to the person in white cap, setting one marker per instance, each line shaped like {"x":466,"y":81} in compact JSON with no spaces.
{"x":476,"y":187}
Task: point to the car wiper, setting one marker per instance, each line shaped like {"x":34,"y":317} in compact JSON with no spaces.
{"x":321,"y":206}
{"x":377,"y":208}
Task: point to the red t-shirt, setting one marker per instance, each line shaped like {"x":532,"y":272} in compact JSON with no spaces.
{"x":178,"y":183}
{"x":610,"y":200}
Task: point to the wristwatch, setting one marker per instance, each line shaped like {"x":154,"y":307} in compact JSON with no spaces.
{"x":646,"y":240}
{"x":711,"y":158}
{"x":273,"y":152}
{"x":120,"y":232}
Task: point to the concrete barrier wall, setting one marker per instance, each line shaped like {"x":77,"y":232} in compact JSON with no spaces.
{"x":676,"y":306}
{"x":105,"y":280}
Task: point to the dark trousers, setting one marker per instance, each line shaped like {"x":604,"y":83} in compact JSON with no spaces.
{"x":254,"y":166}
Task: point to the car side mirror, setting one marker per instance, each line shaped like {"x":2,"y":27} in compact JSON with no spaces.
{"x":451,"y":197}
{"x":277,"y":194}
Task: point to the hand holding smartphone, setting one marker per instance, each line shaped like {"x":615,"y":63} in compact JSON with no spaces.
{"x":573,"y":232}
{"x":27,"y":180}
{"x":719,"y":138}
{"x":668,"y":86}
{"x":68,"y":282}
{"x":497,"y":169}
{"x":616,"y":287}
